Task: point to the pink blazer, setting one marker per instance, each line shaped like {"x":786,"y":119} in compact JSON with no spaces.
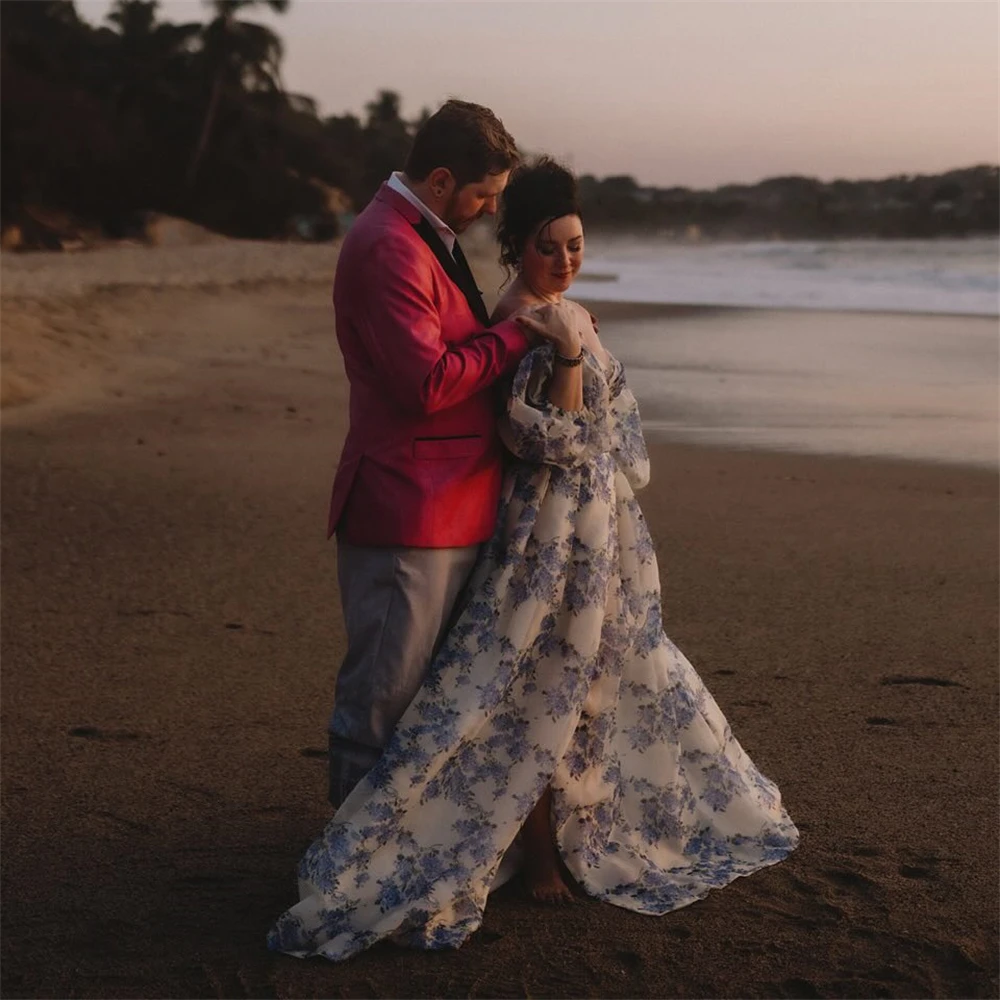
{"x":421,"y":465}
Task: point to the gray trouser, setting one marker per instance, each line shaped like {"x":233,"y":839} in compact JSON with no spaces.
{"x":397,"y":604}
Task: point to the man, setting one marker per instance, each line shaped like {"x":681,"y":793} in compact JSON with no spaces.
{"x":418,"y":483}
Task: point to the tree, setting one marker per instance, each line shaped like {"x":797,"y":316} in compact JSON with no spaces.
{"x":56,"y":139}
{"x":386,"y":141}
{"x":243,"y":55}
{"x":154,"y":58}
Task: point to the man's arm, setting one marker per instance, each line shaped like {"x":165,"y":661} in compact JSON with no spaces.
{"x":400,"y":326}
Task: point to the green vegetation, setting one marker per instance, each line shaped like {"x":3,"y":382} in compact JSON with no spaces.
{"x":957,"y":203}
{"x":102,"y":125}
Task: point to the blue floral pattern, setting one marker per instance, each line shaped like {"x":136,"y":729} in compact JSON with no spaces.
{"x":557,"y":673}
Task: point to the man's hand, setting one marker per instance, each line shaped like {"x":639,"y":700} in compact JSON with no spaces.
{"x":556,"y":322}
{"x":530,"y":312}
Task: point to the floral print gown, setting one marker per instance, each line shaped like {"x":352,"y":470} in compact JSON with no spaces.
{"x":557,"y":672}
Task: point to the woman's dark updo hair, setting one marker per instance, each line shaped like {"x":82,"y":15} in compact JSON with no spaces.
{"x":537,"y":194}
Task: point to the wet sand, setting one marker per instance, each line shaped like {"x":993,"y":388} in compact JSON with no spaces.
{"x":881,"y":384}
{"x":171,"y":631}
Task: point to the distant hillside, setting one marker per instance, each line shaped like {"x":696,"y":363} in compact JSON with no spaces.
{"x":104,"y":128}
{"x":957,"y":203}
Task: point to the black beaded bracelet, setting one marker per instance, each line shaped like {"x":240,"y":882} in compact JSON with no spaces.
{"x":569,"y":362}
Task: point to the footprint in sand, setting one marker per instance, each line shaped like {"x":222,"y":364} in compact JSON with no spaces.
{"x":119,"y":822}
{"x":679,"y":932}
{"x":797,"y":988}
{"x":915,"y":679}
{"x":915,"y":871}
{"x":633,"y":962}
{"x":921,"y":866}
{"x":847,"y":879}
{"x":863,"y":933}
{"x":865,"y":851}
{"x":113,"y":735}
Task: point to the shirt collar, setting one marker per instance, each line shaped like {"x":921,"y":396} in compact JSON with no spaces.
{"x":443,"y":230}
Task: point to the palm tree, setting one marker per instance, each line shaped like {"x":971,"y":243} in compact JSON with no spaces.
{"x":134,"y":19}
{"x":154,"y":56}
{"x":386,"y":141}
{"x":239,"y":54}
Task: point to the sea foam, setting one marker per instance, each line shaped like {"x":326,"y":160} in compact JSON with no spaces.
{"x":958,"y":277}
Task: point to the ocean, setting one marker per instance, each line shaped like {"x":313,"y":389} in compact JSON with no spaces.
{"x":886,"y":349}
{"x":957,"y":277}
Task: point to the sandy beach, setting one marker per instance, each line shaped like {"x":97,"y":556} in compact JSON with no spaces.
{"x":171,"y":632}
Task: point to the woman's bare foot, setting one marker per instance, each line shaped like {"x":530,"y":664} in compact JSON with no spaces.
{"x":542,"y":867}
{"x":545,"y":884}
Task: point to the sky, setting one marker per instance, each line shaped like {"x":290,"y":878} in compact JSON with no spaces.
{"x":674,"y":93}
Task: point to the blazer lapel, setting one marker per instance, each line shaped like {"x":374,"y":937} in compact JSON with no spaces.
{"x":474,"y":295}
{"x":457,"y":268}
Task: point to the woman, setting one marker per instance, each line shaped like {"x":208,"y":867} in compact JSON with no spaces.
{"x":556,"y":704}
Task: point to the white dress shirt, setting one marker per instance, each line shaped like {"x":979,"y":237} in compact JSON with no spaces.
{"x":446,"y":233}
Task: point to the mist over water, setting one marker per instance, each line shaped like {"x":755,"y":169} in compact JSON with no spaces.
{"x":912,"y":276}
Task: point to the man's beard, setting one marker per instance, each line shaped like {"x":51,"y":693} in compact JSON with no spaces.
{"x":457,"y":223}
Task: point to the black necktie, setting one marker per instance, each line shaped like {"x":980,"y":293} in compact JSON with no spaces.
{"x":456,"y":267}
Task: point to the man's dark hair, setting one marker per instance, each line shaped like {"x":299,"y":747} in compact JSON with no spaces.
{"x":537,"y":194}
{"x":466,"y":138}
